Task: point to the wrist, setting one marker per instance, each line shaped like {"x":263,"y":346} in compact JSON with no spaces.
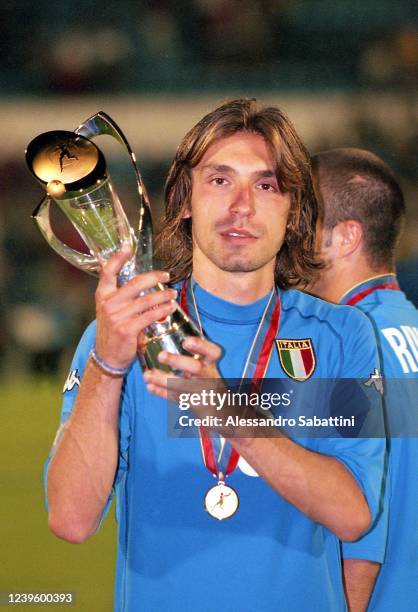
{"x":105,"y":367}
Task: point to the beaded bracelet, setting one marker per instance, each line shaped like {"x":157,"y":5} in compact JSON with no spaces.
{"x":117,"y":372}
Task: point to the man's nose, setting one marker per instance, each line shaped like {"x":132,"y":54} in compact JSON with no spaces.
{"x":243,"y":201}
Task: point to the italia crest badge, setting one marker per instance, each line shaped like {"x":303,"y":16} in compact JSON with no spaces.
{"x":297,"y":358}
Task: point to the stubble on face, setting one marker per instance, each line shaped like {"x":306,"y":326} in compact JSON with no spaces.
{"x":235,"y":257}
{"x":238,"y":237}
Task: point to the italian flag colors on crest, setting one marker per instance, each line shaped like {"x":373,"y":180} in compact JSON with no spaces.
{"x":297,"y":357}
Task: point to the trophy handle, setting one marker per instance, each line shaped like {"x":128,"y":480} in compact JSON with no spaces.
{"x":82,"y":261}
{"x":101,"y":124}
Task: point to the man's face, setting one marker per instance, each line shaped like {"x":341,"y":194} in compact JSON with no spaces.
{"x":239,"y":213}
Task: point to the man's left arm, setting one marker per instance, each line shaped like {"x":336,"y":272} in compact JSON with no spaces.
{"x":363,"y":558}
{"x":319,"y":485}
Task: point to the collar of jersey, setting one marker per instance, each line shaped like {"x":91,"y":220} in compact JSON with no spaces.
{"x":369,"y":283}
{"x":215,"y":308}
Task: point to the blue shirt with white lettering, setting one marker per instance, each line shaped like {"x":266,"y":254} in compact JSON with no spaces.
{"x":395,"y":320}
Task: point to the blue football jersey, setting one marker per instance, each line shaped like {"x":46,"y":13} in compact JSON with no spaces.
{"x":395,"y":321}
{"x":269,"y":556}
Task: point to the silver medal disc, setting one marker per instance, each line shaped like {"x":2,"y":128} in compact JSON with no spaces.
{"x":221,"y":501}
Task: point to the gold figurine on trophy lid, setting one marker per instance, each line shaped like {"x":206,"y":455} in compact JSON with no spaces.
{"x":66,"y":163}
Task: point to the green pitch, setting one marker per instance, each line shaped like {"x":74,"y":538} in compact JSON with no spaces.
{"x":31,"y":558}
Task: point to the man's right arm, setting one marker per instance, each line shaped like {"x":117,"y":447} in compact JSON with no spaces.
{"x":83,"y":468}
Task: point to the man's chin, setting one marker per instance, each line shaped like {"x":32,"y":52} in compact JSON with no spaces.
{"x":239,"y":265}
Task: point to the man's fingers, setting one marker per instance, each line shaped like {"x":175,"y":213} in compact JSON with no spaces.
{"x":157,"y":382}
{"x":110,"y":269}
{"x":209,"y":351}
{"x":166,"y":384}
{"x":183,"y":363}
{"x":107,"y":285}
{"x":158,"y":391}
{"x":138,"y":305}
{"x":190,"y":366}
{"x":138,"y":323}
{"x":139,"y":284}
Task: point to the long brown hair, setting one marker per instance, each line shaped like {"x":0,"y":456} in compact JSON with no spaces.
{"x":295,"y":262}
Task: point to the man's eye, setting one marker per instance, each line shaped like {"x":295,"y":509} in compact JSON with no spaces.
{"x":219,"y":180}
{"x":267,"y":187}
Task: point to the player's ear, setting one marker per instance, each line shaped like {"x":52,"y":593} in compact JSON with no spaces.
{"x":187,"y":211}
{"x":350,"y":235}
{"x":187,"y":208}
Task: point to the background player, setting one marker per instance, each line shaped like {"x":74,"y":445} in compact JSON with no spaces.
{"x":363,"y":210}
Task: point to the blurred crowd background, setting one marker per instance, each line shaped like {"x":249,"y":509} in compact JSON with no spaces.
{"x":345,"y":72}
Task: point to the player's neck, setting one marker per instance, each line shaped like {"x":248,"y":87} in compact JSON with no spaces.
{"x":338,"y":282}
{"x":236,"y":287}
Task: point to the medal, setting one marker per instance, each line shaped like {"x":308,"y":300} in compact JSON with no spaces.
{"x":221,"y":501}
{"x":219,"y":456}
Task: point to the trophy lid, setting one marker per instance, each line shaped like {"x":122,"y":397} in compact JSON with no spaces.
{"x":65,"y":163}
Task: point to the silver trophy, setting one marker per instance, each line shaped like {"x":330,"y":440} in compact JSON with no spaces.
{"x":73,"y":171}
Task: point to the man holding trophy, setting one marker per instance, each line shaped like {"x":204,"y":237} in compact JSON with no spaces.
{"x":239,"y":232}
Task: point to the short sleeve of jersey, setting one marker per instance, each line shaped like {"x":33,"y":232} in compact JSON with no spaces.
{"x":360,"y":353}
{"x":70,"y":391}
{"x":363,"y":457}
{"x":372,"y":546}
{"x":366,"y":461}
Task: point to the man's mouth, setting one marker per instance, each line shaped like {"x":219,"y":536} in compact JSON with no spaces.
{"x":237,"y":233}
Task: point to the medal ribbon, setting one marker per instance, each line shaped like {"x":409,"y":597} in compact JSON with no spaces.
{"x":360,"y":291}
{"x":255,"y":368}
